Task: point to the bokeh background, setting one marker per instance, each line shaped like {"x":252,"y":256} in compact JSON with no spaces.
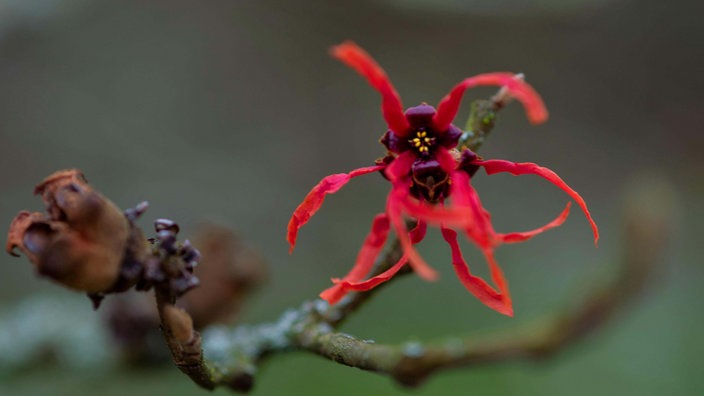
{"x":229,"y":111}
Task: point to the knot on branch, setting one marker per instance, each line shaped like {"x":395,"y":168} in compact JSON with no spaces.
{"x":170,"y":266}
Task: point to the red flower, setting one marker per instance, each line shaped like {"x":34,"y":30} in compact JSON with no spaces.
{"x":426,"y":170}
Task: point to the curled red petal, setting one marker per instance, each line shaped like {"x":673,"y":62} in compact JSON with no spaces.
{"x":418,"y":232}
{"x":358,"y":59}
{"x":496,"y":166}
{"x":497,"y":276}
{"x":498,"y":301}
{"x":400,"y":167}
{"x":343,"y":286}
{"x":515,"y":237}
{"x":451,"y":216}
{"x":372,"y":246}
{"x":448,"y":163}
{"x":393,"y":209}
{"x":463,"y":195}
{"x":522,"y":91}
{"x":312,"y":202}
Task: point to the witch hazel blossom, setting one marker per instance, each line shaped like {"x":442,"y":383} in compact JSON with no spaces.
{"x":431,"y":185}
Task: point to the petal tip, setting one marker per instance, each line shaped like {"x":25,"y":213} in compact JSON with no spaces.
{"x":291,"y":236}
{"x":595,"y":231}
{"x":538,"y":116}
{"x":336,"y":51}
{"x":346,"y":44}
{"x":333,"y":294}
{"x":349,"y":53}
{"x":506,"y":308}
{"x":430,"y":276}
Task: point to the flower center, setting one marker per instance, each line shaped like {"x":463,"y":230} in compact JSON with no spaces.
{"x":422,"y":142}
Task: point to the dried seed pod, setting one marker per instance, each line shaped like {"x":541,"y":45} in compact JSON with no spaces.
{"x":84,"y":241}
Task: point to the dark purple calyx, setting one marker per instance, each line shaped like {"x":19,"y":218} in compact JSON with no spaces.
{"x":423,"y":138}
{"x":468,"y":156}
{"x":430,"y":182}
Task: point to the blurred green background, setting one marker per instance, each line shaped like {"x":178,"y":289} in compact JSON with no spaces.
{"x":230,"y":111}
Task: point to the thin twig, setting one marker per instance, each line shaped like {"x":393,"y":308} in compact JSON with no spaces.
{"x":186,"y":354}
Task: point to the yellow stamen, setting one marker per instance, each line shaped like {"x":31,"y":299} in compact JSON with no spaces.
{"x":422,"y":142}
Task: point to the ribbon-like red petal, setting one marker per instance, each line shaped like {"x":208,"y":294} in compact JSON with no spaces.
{"x":498,"y":301}
{"x":463,"y":195}
{"x":344,"y":286}
{"x":515,"y":237}
{"x":496,"y":166}
{"x":451,"y":216}
{"x":373,"y":244}
{"x":312,"y":202}
{"x":358,"y":59}
{"x":400,"y":167}
{"x":393,"y":210}
{"x":522,"y":91}
{"x":448,"y":163}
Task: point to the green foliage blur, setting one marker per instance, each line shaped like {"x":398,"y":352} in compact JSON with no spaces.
{"x":230,"y":111}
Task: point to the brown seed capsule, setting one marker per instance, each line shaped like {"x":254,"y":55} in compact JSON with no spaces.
{"x":82,"y":240}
